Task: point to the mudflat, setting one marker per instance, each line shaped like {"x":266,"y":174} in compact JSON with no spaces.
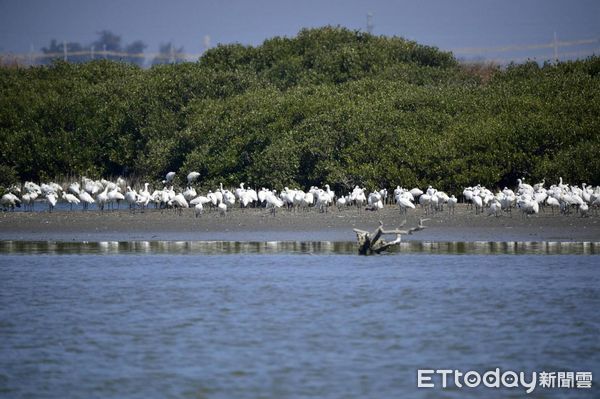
{"x":257,"y":224}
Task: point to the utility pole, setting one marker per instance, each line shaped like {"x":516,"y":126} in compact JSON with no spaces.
{"x":31,"y":54}
{"x":92,"y":52}
{"x":104,"y":50}
{"x":555,"y":48}
{"x":206,"y":42}
{"x":65,"y":50}
{"x":370,"y":23}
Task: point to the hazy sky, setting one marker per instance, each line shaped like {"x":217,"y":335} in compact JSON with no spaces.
{"x":448,"y":24}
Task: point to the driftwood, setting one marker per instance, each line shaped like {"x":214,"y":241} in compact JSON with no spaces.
{"x":369,"y":243}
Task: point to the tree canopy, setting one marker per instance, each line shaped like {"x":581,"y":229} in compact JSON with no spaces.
{"x":329,"y":105}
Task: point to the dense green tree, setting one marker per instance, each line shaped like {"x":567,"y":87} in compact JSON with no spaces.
{"x":327,"y":106}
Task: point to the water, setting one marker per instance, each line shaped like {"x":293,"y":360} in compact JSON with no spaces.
{"x":295,"y":247}
{"x":313,"y":323}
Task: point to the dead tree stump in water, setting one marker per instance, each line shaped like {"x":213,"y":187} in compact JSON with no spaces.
{"x":370,"y":243}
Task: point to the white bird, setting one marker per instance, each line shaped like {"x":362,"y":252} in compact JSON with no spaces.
{"x":425,"y":202}
{"x":273,"y":202}
{"x":287,"y":196}
{"x":92,"y":187}
{"x":9,"y":200}
{"x":586,"y":194}
{"x":121,"y":183}
{"x":74,"y":188}
{"x":245,"y":199}
{"x":169,"y":177}
{"x":86,"y":198}
{"x":495,"y":208}
{"x":239,"y":191}
{"x":198,"y":209}
{"x":115,"y":196}
{"x":252,"y":195}
{"x":47,"y":189}
{"x":524,"y":188}
{"x":404,"y":204}
{"x":28,"y":199}
{"x":164,"y":196}
{"x":397,"y":191}
{"x":131,"y":196}
{"x":528,"y":206}
{"x":71,"y":199}
{"x":228,"y":198}
{"x":373,"y":198}
{"x":539,"y":186}
{"x":213,"y":198}
{"x":219,"y":193}
{"x":358,"y":197}
{"x":178,"y":202}
{"x":452,"y":201}
{"x":596,"y":200}
{"x":583,"y":209}
{"x":341,"y":202}
{"x":323,"y":200}
{"x":262,"y":195}
{"x":192,"y":177}
{"x":416,"y":192}
{"x":308,"y":200}
{"x":553,"y":203}
{"x":32,"y":187}
{"x":51,"y":197}
{"x":298,"y":199}
{"x":478,"y":202}
{"x":508,"y":192}
{"x":468,"y":194}
{"x":442,"y":199}
{"x":144,"y":197}
{"x":190,"y":193}
{"x":434,"y":201}
{"x":200,"y":200}
{"x":222,"y":209}
{"x":331,"y":194}
{"x":102,"y":198}
{"x":384,"y":195}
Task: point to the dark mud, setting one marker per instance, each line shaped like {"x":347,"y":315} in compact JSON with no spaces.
{"x":261,"y":225}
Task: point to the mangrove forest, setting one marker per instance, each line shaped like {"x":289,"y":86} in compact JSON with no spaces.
{"x":330,"y":105}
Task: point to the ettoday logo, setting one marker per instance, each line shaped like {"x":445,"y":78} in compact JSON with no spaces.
{"x":472,"y":379}
{"x":507,"y":379}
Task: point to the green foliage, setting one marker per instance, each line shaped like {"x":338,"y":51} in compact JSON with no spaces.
{"x":327,"y":106}
{"x":8,"y":177}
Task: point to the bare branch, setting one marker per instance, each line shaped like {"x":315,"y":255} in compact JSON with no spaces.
{"x":372,"y":243}
{"x":396,"y":231}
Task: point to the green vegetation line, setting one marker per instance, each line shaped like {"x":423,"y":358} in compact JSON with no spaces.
{"x":327,"y":106}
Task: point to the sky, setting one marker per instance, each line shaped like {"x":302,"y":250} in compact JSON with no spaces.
{"x":471,"y":28}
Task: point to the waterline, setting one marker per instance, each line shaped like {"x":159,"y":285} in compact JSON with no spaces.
{"x":294,"y":247}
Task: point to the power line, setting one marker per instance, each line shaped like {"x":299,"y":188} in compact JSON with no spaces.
{"x":521,"y":47}
{"x":104,"y":54}
{"x":33,"y":58}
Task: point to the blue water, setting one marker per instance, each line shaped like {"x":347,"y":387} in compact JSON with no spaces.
{"x":290,"y":326}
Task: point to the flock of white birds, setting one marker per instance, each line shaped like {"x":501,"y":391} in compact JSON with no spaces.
{"x":562,"y":198}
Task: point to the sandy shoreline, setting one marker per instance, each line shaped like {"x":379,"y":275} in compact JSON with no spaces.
{"x":259,"y":225}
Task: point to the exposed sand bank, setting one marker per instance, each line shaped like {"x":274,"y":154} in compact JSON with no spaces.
{"x":260,"y":225}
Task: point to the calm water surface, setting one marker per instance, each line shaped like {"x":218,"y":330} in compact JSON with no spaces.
{"x":283,"y":325}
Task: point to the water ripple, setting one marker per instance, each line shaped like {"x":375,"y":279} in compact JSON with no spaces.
{"x":294,"y":247}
